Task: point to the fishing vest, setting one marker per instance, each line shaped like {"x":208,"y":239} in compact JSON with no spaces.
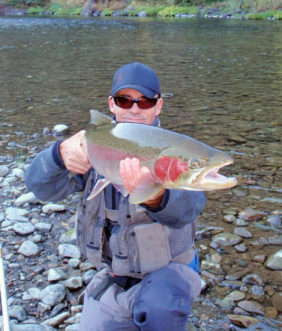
{"x":137,"y":244}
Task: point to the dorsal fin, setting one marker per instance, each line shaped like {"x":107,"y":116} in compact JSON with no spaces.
{"x":99,"y":119}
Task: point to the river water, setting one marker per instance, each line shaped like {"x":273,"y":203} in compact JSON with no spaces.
{"x":221,"y":82}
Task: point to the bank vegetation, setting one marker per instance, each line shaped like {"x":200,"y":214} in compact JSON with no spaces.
{"x":244,"y":9}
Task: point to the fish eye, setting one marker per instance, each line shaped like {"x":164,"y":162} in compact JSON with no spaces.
{"x":195,"y":163}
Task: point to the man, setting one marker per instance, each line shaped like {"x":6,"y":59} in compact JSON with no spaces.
{"x":147,"y":284}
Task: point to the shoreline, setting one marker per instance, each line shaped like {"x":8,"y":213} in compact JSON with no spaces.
{"x":131,"y":11}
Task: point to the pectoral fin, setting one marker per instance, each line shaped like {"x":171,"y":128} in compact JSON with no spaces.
{"x":144,"y":193}
{"x":98,"y":188}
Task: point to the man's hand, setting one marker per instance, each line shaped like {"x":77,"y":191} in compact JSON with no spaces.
{"x":74,"y":154}
{"x":133,"y":175}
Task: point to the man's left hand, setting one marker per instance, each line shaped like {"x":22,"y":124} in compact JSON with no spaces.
{"x":133,"y":175}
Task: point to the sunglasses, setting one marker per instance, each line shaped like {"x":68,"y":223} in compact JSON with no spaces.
{"x":127,"y":103}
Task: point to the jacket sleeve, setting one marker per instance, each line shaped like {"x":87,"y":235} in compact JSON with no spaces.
{"x":48,"y":178}
{"x":179,"y":207}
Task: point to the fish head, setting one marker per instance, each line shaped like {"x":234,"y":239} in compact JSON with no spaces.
{"x":195,"y":169}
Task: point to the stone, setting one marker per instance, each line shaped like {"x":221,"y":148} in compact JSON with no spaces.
{"x":274,"y":261}
{"x":16,"y":214}
{"x":68,"y":250}
{"x":53,"y":294}
{"x":235,"y":296}
{"x":43,"y":227}
{"x":242,"y":232}
{"x":28,"y":248}
{"x":253,"y":279}
{"x":274,"y":220}
{"x":240,"y":222}
{"x":55,"y":321}
{"x":74,"y":283}
{"x":271,"y":312}
{"x":225,"y":239}
{"x":25,"y":198}
{"x":32,"y":294}
{"x":87,"y":277}
{"x":259,"y":258}
{"x":277,"y":301}
{"x":244,"y":321}
{"x":241,"y":248}
{"x":4,"y":170}
{"x":56,"y":274}
{"x":211,"y":266}
{"x":275,"y":240}
{"x":24,"y":229}
{"x":229,"y":218}
{"x":60,"y":130}
{"x":250,"y":214}
{"x":17,"y":312}
{"x":19,"y":173}
{"x":252,"y":307}
{"x":51,"y":208}
{"x":257,"y":293}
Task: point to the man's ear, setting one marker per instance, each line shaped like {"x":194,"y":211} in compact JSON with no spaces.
{"x":159,"y":106}
{"x":111,"y":103}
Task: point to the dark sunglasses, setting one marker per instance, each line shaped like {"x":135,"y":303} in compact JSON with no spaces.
{"x":143,"y":102}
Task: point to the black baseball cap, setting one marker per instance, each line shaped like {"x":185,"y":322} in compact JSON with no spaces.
{"x":136,"y":76}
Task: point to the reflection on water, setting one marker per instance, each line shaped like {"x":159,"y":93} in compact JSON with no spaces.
{"x":222,"y":79}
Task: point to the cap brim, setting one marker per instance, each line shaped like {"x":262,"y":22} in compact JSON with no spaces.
{"x":145,"y":91}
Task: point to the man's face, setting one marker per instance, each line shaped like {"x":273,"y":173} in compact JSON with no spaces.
{"x":134,"y":114}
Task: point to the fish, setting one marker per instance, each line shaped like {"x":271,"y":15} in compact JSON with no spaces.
{"x":175,"y":160}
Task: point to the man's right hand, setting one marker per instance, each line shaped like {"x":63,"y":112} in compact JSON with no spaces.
{"x":73,"y":152}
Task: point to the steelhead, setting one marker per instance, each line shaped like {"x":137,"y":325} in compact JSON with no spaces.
{"x":176,"y":161}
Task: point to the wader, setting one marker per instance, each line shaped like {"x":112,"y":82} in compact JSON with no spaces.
{"x":144,"y":282}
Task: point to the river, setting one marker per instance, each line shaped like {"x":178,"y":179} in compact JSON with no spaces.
{"x":221,"y":82}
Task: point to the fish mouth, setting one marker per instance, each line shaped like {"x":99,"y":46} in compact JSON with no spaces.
{"x":211,"y":179}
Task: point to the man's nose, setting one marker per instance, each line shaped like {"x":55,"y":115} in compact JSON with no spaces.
{"x":134,"y":108}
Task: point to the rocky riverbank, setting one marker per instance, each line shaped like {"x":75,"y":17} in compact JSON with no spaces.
{"x":239,"y":247}
{"x":90,"y":9}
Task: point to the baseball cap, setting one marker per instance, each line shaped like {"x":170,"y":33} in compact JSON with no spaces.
{"x":136,"y":76}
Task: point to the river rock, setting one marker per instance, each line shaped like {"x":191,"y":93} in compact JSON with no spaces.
{"x":235,"y":296}
{"x":53,"y":294}
{"x":28,"y":248}
{"x":16,"y":214}
{"x":43,"y":227}
{"x":24,"y":229}
{"x":60,"y":130}
{"x":253,"y":279}
{"x":19,"y":173}
{"x":275,"y":240}
{"x":55,"y":321}
{"x":74,"y":283}
{"x":225,"y":239}
{"x":241,"y":248}
{"x":274,"y":261}
{"x":252,"y":307}
{"x":32,"y":294}
{"x":56,"y":274}
{"x":4,"y":170}
{"x":274,"y":220}
{"x":87,"y":277}
{"x":257,"y":293}
{"x":229,"y":218}
{"x":68,"y":250}
{"x":250,"y":214}
{"x":17,"y":312}
{"x":277,"y":301}
{"x":25,"y":198}
{"x":242,"y":232}
{"x":51,"y":208}
{"x":244,"y":321}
